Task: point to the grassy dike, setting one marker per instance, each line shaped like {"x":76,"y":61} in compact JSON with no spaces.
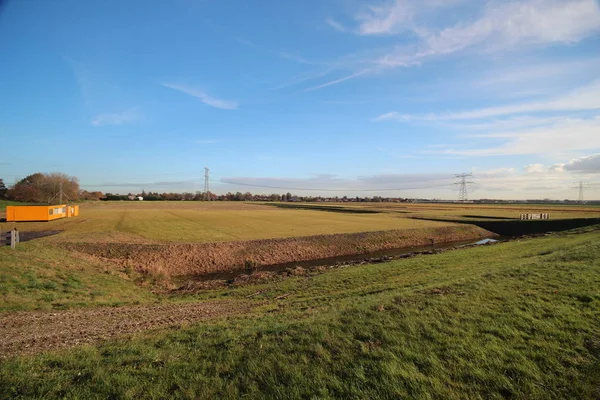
{"x":514,"y":320}
{"x":39,"y":276}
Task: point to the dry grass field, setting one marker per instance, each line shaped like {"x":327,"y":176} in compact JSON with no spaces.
{"x":198,"y":222}
{"x":139,"y":222}
{"x":470,"y":211}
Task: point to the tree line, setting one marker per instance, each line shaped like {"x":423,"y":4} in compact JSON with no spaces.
{"x":45,"y":188}
{"x":239,"y":196}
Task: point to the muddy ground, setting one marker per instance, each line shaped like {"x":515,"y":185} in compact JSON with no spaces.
{"x":203,"y":258}
{"x":34,"y":332}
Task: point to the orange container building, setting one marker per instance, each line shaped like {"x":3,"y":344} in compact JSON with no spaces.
{"x":72,"y":211}
{"x":40,"y":213}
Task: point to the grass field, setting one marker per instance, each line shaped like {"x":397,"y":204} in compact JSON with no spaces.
{"x":147,"y":222}
{"x":467,"y":211}
{"x":516,"y":320}
{"x":131,"y":222}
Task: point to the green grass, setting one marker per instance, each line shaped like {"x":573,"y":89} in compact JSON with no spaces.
{"x":4,"y":203}
{"x":36,"y":276}
{"x":516,"y":320}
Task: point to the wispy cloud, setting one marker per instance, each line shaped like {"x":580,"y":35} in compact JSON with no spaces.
{"x":504,"y":124}
{"x":584,"y":98}
{"x":336,"y":81}
{"x":501,"y":26}
{"x":563,"y":136}
{"x":332,"y":183}
{"x":509,"y":24}
{"x":336,"y":25}
{"x":119,"y":118}
{"x":285,"y":55}
{"x":147,"y":185}
{"x":393,"y":154}
{"x":386,"y":19}
{"x":203,"y":97}
{"x":540,"y":72}
{"x":205,"y":141}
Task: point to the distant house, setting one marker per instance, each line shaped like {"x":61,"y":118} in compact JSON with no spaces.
{"x":140,"y":198}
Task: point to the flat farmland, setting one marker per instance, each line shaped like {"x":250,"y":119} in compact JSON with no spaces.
{"x":147,"y":222}
{"x":199,"y":222}
{"x":471,"y":211}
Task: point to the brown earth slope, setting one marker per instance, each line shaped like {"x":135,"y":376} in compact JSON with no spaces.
{"x":204,"y":258}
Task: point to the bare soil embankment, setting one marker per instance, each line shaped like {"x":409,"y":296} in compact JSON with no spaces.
{"x":206,"y":258}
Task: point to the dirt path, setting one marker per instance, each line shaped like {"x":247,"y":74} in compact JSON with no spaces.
{"x":34,"y":332}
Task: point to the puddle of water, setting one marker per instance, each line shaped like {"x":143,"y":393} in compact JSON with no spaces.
{"x":377,"y":256}
{"x":486,"y":241}
{"x":27,"y":236}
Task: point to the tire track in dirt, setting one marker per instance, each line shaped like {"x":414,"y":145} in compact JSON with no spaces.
{"x":35,"y":332}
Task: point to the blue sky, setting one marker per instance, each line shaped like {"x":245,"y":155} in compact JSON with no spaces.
{"x":353,"y":96}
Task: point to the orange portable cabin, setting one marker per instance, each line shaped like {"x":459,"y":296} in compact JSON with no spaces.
{"x":72,"y":211}
{"x":40,"y":213}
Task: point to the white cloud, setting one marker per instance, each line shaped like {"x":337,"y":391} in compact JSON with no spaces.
{"x":502,"y":26}
{"x":340,"y":80}
{"x":204,"y":98}
{"x":336,"y":25}
{"x":393,"y":17}
{"x":386,"y":19}
{"x":507,"y":24}
{"x":537,"y":72}
{"x":539,"y":181}
{"x":116,"y":118}
{"x":495,"y":173}
{"x":536,"y":168}
{"x":584,"y":98}
{"x":565,"y":135}
{"x":588,"y":164}
{"x":505,"y":124}
{"x":323,"y":183}
{"x":205,"y":141}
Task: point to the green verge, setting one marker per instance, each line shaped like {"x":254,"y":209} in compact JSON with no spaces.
{"x":516,"y":320}
{"x":38,"y":276}
{"x":4,"y":203}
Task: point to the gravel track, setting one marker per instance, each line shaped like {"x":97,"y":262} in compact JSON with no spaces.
{"x":35,"y":332}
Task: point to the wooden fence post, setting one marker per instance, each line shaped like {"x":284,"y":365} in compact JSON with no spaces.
{"x":14,"y":238}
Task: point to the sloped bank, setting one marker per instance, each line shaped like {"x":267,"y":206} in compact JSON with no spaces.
{"x":204,"y":258}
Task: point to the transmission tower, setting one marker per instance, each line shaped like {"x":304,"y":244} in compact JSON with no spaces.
{"x":581,"y":186}
{"x":206,"y":186}
{"x":463,"y":194}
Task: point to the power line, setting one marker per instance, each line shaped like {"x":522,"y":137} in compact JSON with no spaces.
{"x":463,"y":194}
{"x":333,"y":190}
